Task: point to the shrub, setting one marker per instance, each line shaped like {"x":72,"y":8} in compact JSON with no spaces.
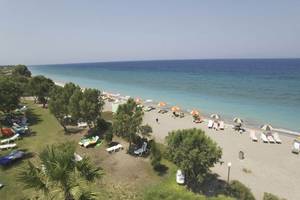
{"x":155,"y":155}
{"x":240,"y":191}
{"x":269,"y":196}
{"x":108,"y":136}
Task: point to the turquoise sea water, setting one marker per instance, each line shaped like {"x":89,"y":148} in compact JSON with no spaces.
{"x":257,"y":90}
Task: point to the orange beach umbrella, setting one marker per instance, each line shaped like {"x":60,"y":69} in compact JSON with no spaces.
{"x":194,"y":112}
{"x":162,"y":104}
{"x":175,"y":109}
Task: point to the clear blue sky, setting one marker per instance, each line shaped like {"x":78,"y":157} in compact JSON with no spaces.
{"x":57,"y":31}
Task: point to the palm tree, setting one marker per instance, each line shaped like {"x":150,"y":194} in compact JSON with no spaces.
{"x":60,"y":175}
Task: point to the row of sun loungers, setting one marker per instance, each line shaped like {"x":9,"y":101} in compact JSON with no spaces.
{"x":266,"y":138}
{"x":216,"y":125}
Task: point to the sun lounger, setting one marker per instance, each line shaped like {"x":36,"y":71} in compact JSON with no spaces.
{"x":179,"y":177}
{"x":277,"y":138}
{"x":141,"y":150}
{"x":296,"y":147}
{"x":82,"y":124}
{"x":216,"y":126}
{"x":7,"y":146}
{"x":7,"y":132}
{"x":14,"y":155}
{"x":181,"y":114}
{"x":221,"y":125}
{"x":77,"y":157}
{"x":11,"y":139}
{"x":270,"y":138}
{"x":198,"y":120}
{"x":263,"y":137}
{"x":253,"y":136}
{"x":88,"y":141}
{"x":210,"y":124}
{"x":114,"y":148}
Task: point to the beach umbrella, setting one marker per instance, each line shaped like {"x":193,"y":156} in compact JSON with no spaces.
{"x":215,"y":116}
{"x":138,"y":100}
{"x":238,"y":120}
{"x":161,"y":104}
{"x":266,"y":127}
{"x":175,"y":109}
{"x":194,"y":112}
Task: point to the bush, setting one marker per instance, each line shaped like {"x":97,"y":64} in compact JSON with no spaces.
{"x":269,"y":196}
{"x":155,"y":155}
{"x":240,"y":191}
{"x":108,"y":136}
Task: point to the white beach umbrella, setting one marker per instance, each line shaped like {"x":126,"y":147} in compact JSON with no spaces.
{"x":266,"y":127}
{"x":238,"y":120}
{"x":215,"y":116}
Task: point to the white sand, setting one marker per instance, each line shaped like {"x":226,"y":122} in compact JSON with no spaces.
{"x":273,"y":167}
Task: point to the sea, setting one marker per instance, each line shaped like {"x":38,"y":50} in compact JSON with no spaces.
{"x":259,"y":91}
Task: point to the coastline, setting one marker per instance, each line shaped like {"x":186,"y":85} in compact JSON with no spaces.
{"x":248,"y":126}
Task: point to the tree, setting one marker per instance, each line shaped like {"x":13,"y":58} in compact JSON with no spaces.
{"x":155,"y":155}
{"x":60,"y":175}
{"x":91,"y":105}
{"x":108,"y":136}
{"x":145,"y":130}
{"x":193,"y":152}
{"x":40,"y":87}
{"x":127,"y":120}
{"x":10,"y":94}
{"x":269,"y":196}
{"x":74,"y":104}
{"x":21,"y":70}
{"x":240,"y":191}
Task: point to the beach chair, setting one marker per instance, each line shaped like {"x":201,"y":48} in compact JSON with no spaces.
{"x":216,"y":126}
{"x":270,"y":138}
{"x":263,"y":137}
{"x":141,"y":150}
{"x":7,"y":146}
{"x":253,"y":136}
{"x":180,"y":179}
{"x":296,"y":147}
{"x":210,"y":123}
{"x":14,"y":155}
{"x":114,"y":148}
{"x":221,"y":125}
{"x":11,"y":139}
{"x":82,"y":124}
{"x":277,"y":138}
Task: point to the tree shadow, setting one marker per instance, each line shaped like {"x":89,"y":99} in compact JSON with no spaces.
{"x":32,"y":117}
{"x":73,"y":130}
{"x":161,"y":169}
{"x":211,"y":186}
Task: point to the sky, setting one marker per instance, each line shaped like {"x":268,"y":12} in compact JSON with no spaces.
{"x":71,"y":31}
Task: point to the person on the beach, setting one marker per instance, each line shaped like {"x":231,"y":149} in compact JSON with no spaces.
{"x":156,"y":120}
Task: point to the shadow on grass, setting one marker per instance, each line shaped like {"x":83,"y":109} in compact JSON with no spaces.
{"x":161,"y":169}
{"x":32,"y":117}
{"x":212,"y":186}
{"x":73,"y":130}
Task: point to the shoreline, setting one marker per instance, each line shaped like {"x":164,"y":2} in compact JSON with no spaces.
{"x":187,"y":111}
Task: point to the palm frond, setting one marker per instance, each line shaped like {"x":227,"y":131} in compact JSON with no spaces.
{"x":87,"y":170}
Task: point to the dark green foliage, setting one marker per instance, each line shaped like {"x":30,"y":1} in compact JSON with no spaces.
{"x":91,"y":106}
{"x":10,"y":93}
{"x":40,"y":87}
{"x":269,"y":196}
{"x":155,"y":155}
{"x":58,"y":171}
{"x":127,"y":120}
{"x":240,"y":191}
{"x":108,"y":136}
{"x":193,"y":152}
{"x":21,"y":70}
{"x":145,"y":130}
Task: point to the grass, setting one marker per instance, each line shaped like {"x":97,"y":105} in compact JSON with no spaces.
{"x":46,"y":131}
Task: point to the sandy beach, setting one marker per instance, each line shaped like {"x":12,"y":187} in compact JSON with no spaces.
{"x":271,"y":167}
